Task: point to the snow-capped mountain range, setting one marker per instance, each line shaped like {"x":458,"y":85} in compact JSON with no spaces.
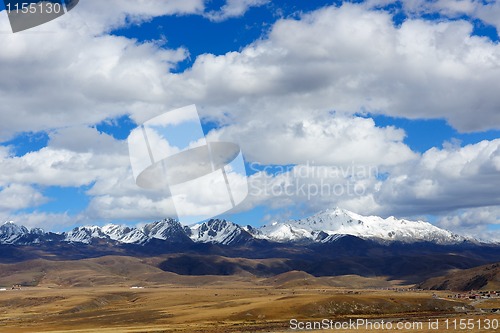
{"x":328,"y":225}
{"x":166,"y":230}
{"x":324,"y":227}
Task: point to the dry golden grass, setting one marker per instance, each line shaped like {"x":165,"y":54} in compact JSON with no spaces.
{"x":95,"y":295}
{"x":235,"y":306}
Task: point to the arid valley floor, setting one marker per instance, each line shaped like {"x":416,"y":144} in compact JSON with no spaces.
{"x":82,"y":299}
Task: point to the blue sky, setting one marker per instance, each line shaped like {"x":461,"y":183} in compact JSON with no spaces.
{"x":406,"y":88}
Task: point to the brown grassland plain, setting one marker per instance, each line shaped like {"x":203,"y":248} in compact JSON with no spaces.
{"x":94,"y":296}
{"x":233,"y":306}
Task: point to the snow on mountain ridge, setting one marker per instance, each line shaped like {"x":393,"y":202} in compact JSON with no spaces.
{"x":281,"y":232}
{"x":166,"y":229}
{"x":217,"y":231}
{"x":11,"y":232}
{"x":343,"y":222}
{"x":84,"y":234}
{"x":325,"y":226}
{"x":124,"y":234}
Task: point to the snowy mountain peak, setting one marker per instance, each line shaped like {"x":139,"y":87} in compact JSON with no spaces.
{"x":343,"y":222}
{"x":84,"y":234}
{"x":11,"y":226}
{"x":219,"y":231}
{"x":124,"y":234}
{"x":166,"y":229}
{"x":323,"y":227}
{"x":10,"y":232}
